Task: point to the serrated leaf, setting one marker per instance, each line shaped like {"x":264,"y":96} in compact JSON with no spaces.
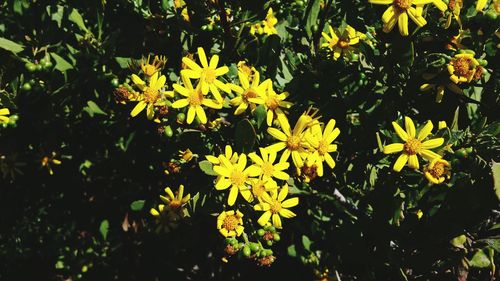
{"x":77,"y":18}
{"x":207,"y":167}
{"x":61,"y":64}
{"x":137,"y":205}
{"x":104,"y":228}
{"x":10,"y":46}
{"x":245,"y":136}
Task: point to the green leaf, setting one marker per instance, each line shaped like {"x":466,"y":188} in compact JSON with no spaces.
{"x":495,"y":167}
{"x":10,"y":46}
{"x":260,"y":114}
{"x":245,"y":136}
{"x":459,"y":241}
{"x":122,"y":62}
{"x":77,"y":18}
{"x":480,"y":260}
{"x":454,"y":124}
{"x":312,"y":16}
{"x":306,"y":242}
{"x":207,"y":168}
{"x":61,"y":64}
{"x":292,"y":252}
{"x":137,"y":205}
{"x":57,"y":15}
{"x":104,"y":228}
{"x":92,"y":108}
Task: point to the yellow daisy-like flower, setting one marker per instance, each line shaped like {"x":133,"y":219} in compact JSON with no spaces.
{"x":442,"y":83}
{"x":175,"y":202}
{"x":414,"y":145}
{"x":275,"y":206}
{"x":259,"y":186}
{"x":268,"y":169}
{"x":321,"y":142}
{"x":462,"y":68}
{"x":437,"y":171}
{"x":235,"y":176}
{"x":4,"y":112}
{"x":230,"y":223}
{"x":152,"y":94}
{"x":207,"y":73}
{"x":247,"y":91}
{"x":274,"y":103}
{"x":342,"y":43}
{"x":400,"y":10}
{"x":150,"y":67}
{"x":247,"y":70}
{"x":291,"y":141}
{"x":267,"y":26}
{"x":194,"y":99}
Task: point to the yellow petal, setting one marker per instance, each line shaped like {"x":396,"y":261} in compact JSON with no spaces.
{"x":400,"y":162}
{"x":433,"y":143}
{"x":425,"y":131}
{"x":138,"y":108}
{"x":393,"y":148}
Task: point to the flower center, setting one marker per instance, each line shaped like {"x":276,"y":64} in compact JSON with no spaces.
{"x":267,"y":169}
{"x":230,"y":222}
{"x":343,"y":44}
{"x":272,"y":103}
{"x":402,"y":4}
{"x":438,"y":170}
{"x":249,"y":94}
{"x":412,"y":146}
{"x":149,"y":69}
{"x":322,"y":148}
{"x":195,"y":98}
{"x":462,"y":66}
{"x":151,"y":95}
{"x":209,"y":75}
{"x":293,"y":142}
{"x":238,"y":178}
{"x":275,"y":207}
{"x":175,"y":204}
{"x":258,"y":189}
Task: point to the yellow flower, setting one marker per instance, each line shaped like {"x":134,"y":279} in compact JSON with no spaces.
{"x":175,"y":202}
{"x":186,"y":155}
{"x":462,"y":68}
{"x":267,"y":26}
{"x":443,"y":82}
{"x":152,"y":94}
{"x":274,"y":103}
{"x":246,"y":92}
{"x":414,"y":144}
{"x":230,"y":223}
{"x":400,"y":10}
{"x":442,"y":125}
{"x":236,"y":176}
{"x":4,"y":112}
{"x":194,"y":98}
{"x":437,"y":171}
{"x":267,"y":168}
{"x":247,"y":70}
{"x":321,"y":142}
{"x":260,"y":186}
{"x":47,"y":162}
{"x":275,"y":206}
{"x":150,"y":68}
{"x":292,"y":141}
{"x":420,"y":214}
{"x":207,"y":73}
{"x":341,"y":43}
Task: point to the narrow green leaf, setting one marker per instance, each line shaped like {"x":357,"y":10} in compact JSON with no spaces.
{"x":10,"y":46}
{"x":92,"y":108}
{"x":207,"y":168}
{"x":495,"y":167}
{"x":260,"y":114}
{"x":122,"y":62}
{"x":306,"y":242}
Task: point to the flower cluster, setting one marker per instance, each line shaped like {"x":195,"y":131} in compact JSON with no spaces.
{"x":342,"y":41}
{"x":415,"y":145}
{"x":172,"y":210}
{"x":267,"y":26}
